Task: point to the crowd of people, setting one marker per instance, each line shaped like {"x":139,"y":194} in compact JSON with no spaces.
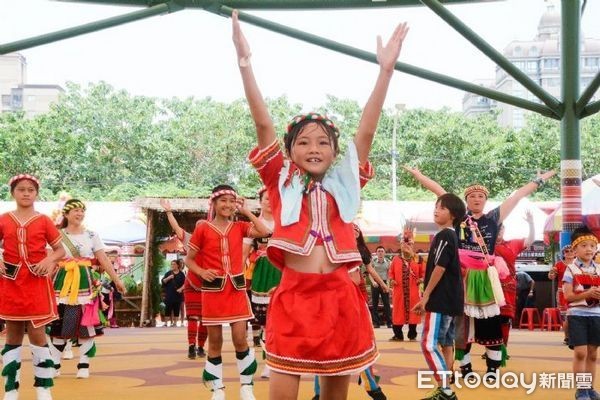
{"x":297,"y":272}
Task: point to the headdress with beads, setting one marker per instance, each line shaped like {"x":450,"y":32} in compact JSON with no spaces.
{"x":312,"y":116}
{"x":476,"y":188}
{"x":17,"y":178}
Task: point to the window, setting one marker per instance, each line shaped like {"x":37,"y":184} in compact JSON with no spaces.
{"x":532,"y":66}
{"x":517,"y":51}
{"x":591,"y":62}
{"x":551,"y":63}
{"x":5,"y":101}
{"x":534,"y":51}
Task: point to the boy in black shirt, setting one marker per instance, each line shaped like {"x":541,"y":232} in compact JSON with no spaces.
{"x":443,"y":298}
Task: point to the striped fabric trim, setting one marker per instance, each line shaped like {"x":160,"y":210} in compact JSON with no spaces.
{"x":429,"y":345}
{"x":260,"y":157}
{"x":345,"y":366}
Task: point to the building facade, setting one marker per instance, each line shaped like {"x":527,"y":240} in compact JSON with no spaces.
{"x":17,"y":95}
{"x":539,"y":58}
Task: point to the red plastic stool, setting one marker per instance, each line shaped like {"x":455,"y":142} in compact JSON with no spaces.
{"x":551,"y":319}
{"x":529,"y":322}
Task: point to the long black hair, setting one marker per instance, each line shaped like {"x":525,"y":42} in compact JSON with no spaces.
{"x":364,"y":251}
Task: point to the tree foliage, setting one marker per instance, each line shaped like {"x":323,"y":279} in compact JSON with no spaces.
{"x":99,"y":143}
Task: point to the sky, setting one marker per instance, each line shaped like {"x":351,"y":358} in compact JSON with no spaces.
{"x":190,"y":53}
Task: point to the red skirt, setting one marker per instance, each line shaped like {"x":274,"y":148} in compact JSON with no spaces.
{"x":193,"y":302}
{"x":225,"y":306}
{"x":27,"y":298}
{"x":319,"y":324}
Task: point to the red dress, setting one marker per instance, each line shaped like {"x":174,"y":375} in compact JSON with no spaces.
{"x":561,"y":267}
{"x":224,"y":300}
{"x":27,"y":297}
{"x":509,"y":251}
{"x":316,"y":323}
{"x":406,"y":292}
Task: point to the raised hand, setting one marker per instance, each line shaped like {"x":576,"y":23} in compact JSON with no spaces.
{"x":239,"y":40}
{"x":388,"y":55}
{"x":165,"y":204}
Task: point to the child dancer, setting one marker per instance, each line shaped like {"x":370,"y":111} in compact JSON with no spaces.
{"x":581,"y":285}
{"x":509,"y":251}
{"x":192,"y":293}
{"x":443,"y":297}
{"x":215,"y":254}
{"x":78,"y":288}
{"x":557,"y":272}
{"x":317,"y":317}
{"x":27,"y":301}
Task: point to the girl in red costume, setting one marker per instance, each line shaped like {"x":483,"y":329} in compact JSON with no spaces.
{"x":215,"y":254}
{"x":27,"y":301}
{"x":317,"y":317}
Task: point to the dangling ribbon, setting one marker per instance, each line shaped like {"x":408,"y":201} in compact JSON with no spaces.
{"x":70,"y":287}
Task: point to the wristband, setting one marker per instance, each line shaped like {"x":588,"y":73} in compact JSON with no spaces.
{"x":538,"y":181}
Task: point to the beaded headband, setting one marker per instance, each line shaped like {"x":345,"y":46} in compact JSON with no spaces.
{"x":73,"y":205}
{"x":21,"y":177}
{"x":583,"y":239}
{"x":218,"y":193}
{"x":312,"y":116}
{"x":476,"y":188}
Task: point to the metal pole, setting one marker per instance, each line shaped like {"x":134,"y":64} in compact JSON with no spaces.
{"x":587,"y":95}
{"x":281,"y":4}
{"x":28,"y":43}
{"x":570,"y":148}
{"x":146,"y":284}
{"x":403,"y":67}
{"x":494,"y":55}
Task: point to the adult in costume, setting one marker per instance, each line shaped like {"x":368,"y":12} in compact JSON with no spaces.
{"x":406,"y":274}
{"x":78,"y":285}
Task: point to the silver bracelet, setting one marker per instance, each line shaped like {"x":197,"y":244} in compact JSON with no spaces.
{"x":538,"y":181}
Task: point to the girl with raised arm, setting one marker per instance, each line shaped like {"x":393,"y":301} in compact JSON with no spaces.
{"x":317,"y":320}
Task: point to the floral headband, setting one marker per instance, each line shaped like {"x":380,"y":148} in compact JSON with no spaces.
{"x":312,"y":116}
{"x":20,"y":177}
{"x":213,"y":196}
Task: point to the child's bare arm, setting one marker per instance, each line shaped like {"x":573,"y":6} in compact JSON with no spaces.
{"x":386,"y":56}
{"x":425,"y":181}
{"x":265,"y":131}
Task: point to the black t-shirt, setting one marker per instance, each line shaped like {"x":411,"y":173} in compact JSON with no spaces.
{"x":171,"y":293}
{"x":448,"y":296}
{"x":488,"y":226}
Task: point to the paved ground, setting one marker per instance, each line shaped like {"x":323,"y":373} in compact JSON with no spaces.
{"x":151,"y":363}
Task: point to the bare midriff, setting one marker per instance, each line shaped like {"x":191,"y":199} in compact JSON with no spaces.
{"x":316,"y":262}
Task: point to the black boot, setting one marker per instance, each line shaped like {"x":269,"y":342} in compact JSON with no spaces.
{"x":467,"y":373}
{"x":192,"y":352}
{"x":376,"y":394}
{"x":200,"y":352}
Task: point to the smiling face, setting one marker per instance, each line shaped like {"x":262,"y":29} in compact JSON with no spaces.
{"x":225,"y":206}
{"x":25,"y":193}
{"x":313,"y":151}
{"x":476,"y":202}
{"x":75,"y":216}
